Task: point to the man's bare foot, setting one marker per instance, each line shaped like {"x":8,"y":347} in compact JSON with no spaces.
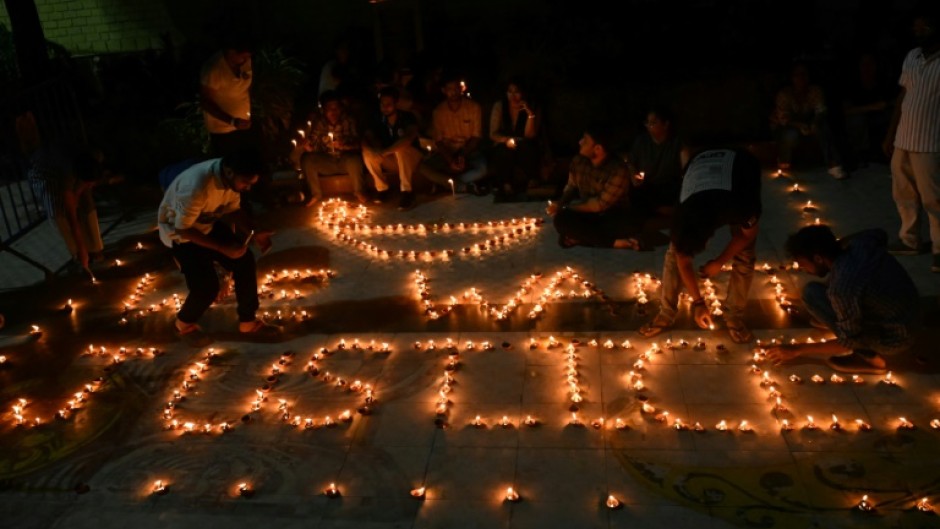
{"x":312,"y":201}
{"x":627,"y":244}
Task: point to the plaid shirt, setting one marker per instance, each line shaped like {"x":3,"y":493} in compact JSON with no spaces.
{"x":871,"y":294}
{"x":607,"y":182}
{"x":344,"y":131}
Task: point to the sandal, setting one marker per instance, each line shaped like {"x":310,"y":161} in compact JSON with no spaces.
{"x":193,"y":336}
{"x":261,"y":331}
{"x":659,"y":324}
{"x":739,"y":332}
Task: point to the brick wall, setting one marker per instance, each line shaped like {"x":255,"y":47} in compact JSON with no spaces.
{"x":103,"y":26}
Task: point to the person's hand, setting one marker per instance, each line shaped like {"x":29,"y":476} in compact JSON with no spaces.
{"x":263,"y":240}
{"x":552,"y":208}
{"x":241,"y":124}
{"x":710,"y":269}
{"x":887,"y":147}
{"x":702,"y":317}
{"x":233,"y":251}
{"x":782,"y":353}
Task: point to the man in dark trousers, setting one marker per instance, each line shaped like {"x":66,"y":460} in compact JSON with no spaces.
{"x":201,"y":220}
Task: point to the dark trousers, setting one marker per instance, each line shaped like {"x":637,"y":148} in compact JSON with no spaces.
{"x":596,"y":229}
{"x":197,"y":264}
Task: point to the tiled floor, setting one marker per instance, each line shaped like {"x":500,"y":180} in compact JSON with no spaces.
{"x":97,"y":468}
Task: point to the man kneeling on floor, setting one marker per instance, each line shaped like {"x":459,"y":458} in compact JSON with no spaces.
{"x":200,"y":219}
{"x":870,"y":303}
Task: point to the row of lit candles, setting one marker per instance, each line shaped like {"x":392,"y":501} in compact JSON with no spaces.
{"x":550,"y":293}
{"x":510,"y":494}
{"x":337,"y":217}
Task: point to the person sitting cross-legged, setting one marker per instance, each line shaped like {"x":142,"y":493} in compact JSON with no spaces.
{"x":870,"y":302}
{"x":198,"y":218}
{"x":593,"y":209}
{"x":392,"y":144}
{"x":333,"y":148}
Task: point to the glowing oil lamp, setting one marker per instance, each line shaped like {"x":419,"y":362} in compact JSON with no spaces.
{"x":865,"y":504}
{"x":332,"y":491}
{"x":159,"y":487}
{"x":512,"y":495}
{"x":245,"y":490}
{"x":418,"y":493}
{"x":612,"y":502}
{"x":923,"y":505}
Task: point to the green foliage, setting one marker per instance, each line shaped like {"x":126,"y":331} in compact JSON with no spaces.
{"x":277,"y":78}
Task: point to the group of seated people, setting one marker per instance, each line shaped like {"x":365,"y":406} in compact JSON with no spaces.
{"x":450,"y":152}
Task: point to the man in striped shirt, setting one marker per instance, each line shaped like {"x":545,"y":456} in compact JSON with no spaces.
{"x":913,"y":140}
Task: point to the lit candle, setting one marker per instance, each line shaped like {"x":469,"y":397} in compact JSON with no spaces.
{"x":835,"y":423}
{"x":865,"y":504}
{"x":512,"y":495}
{"x":862,"y":425}
{"x":453,"y":189}
{"x":923,"y":505}
{"x":904,"y":424}
{"x":722,"y":426}
{"x":245,"y":490}
{"x":332,"y":491}
{"x":612,"y":502}
{"x":159,"y":487}
{"x":418,"y":493}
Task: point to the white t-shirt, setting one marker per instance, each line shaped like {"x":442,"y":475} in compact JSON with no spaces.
{"x":197,"y":198}
{"x":231,"y":92}
{"x":711,"y":170}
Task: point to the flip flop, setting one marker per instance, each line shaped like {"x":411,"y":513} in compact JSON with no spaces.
{"x":262,"y":331}
{"x":194,"y":337}
{"x":657,"y":326}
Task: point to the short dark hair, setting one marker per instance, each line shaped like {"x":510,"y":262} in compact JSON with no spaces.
{"x":811,"y":241}
{"x":244,"y":162}
{"x":663,"y":112}
{"x":389,"y":91}
{"x":602,"y":134}
{"x":329,"y":96}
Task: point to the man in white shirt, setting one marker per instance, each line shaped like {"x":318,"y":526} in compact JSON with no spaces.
{"x":201,"y":221}
{"x":225,"y":83}
{"x":913,"y":139}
